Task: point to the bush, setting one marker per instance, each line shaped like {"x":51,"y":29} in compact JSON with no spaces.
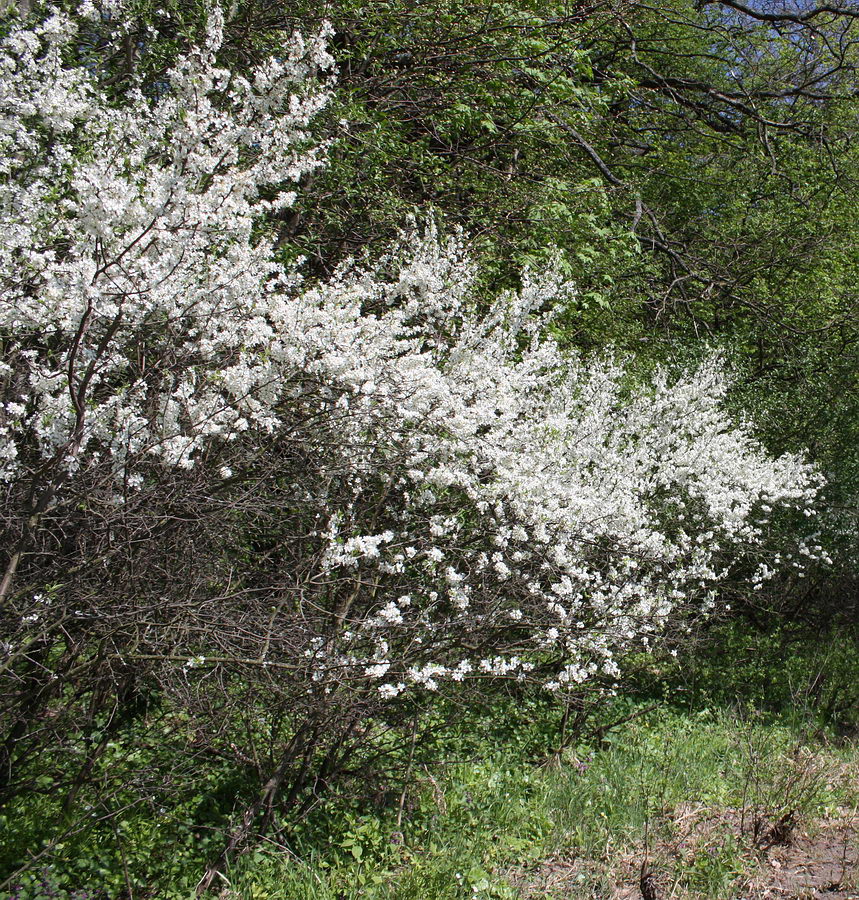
{"x":295,"y":510}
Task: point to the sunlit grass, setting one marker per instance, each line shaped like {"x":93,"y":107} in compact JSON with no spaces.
{"x":485,"y":828}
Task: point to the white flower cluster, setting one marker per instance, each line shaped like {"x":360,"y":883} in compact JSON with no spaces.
{"x":533,"y":516}
{"x":588,"y":512}
{"x":128,"y":240}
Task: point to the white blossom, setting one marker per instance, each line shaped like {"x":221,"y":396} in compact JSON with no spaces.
{"x":148,"y":323}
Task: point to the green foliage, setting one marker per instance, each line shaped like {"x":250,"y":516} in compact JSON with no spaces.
{"x":474,"y":825}
{"x":149,"y":813}
{"x":808,"y":676}
{"x":477,"y":828}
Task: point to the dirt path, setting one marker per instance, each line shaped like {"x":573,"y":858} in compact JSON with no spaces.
{"x":818,"y":862}
{"x":823,"y":864}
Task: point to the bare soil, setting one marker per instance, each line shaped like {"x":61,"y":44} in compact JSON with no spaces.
{"x":817,"y":860}
{"x":823,"y":864}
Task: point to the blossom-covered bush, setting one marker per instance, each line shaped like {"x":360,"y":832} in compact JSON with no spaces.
{"x":145,"y":320}
{"x":346,"y":491}
{"x":138,"y":303}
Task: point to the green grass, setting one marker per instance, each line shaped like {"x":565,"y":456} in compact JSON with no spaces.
{"x":484,"y":828}
{"x":487,"y":825}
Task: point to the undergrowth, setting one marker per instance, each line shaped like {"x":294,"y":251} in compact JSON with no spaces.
{"x":485,"y":828}
{"x":690,"y":777}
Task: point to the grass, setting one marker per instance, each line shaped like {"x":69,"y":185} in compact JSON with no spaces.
{"x":694,"y":797}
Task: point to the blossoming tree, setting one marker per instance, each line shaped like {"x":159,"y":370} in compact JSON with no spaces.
{"x":321,"y":498}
